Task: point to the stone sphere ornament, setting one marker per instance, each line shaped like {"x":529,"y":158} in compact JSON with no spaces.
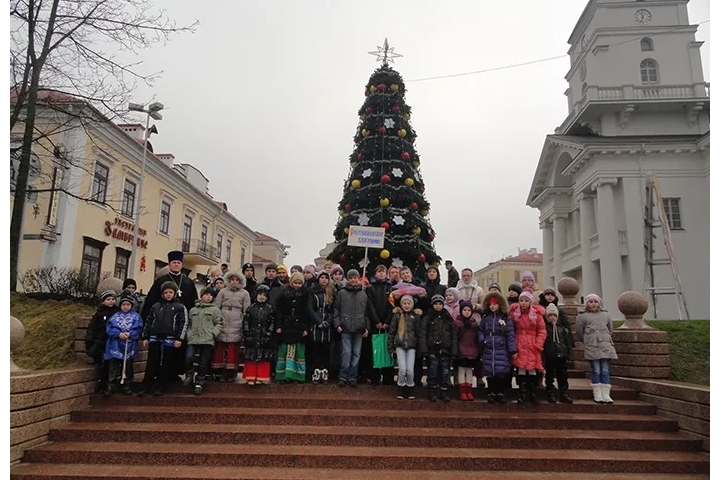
{"x":568,"y":287}
{"x":384,"y":254}
{"x":633,"y":305}
{"x":17,"y":335}
{"x":114,"y":284}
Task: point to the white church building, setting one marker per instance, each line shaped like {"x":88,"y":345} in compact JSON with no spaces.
{"x":638,"y":110}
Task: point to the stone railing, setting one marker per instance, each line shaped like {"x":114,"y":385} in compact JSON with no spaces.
{"x":650,"y":92}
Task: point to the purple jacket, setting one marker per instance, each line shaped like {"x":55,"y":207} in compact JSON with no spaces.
{"x":468,"y":337}
{"x":498,"y":344}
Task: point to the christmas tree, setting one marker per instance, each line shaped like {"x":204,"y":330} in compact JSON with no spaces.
{"x":384,"y":187}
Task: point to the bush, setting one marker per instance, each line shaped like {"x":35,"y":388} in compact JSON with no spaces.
{"x":53,"y":283}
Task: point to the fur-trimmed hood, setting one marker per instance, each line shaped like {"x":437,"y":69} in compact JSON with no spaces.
{"x":500,"y":299}
{"x":232,"y":273}
{"x":416,"y":311}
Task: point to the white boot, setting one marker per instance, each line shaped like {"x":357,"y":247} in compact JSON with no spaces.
{"x":597,"y":393}
{"x":605,"y":389}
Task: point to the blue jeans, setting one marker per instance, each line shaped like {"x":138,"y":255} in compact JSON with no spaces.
{"x":205,"y":352}
{"x":351,"y":345}
{"x":406,"y":365}
{"x":600,"y":371}
{"x":438,"y":371}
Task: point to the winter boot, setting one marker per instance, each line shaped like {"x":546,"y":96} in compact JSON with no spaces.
{"x":469,"y":389}
{"x":126,"y":390}
{"x":597,"y":393}
{"x":410,"y":393}
{"x":108,"y":390}
{"x":444,"y":395}
{"x":564,"y":396}
{"x":188,"y":378}
{"x":463,"y":391}
{"x":401,"y":392}
{"x":433,"y":394}
{"x":198,"y":389}
{"x":523,"y":384}
{"x":500,"y":398}
{"x":230,"y":375}
{"x":550,"y":392}
{"x":324,"y":375}
{"x":316,"y":376}
{"x":160,"y":390}
{"x":532,"y":390}
{"x":605,"y":392}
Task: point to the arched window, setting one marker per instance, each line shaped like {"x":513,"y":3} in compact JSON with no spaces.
{"x":646,"y":45}
{"x":649,"y":71}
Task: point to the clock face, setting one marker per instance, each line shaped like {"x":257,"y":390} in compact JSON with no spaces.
{"x":643,"y":17}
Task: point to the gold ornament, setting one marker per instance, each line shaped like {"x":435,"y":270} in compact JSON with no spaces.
{"x":416,"y":164}
{"x":346,"y":230}
{"x":394,"y":87}
{"x":355,"y":183}
{"x":406,"y":117}
{"x":384,"y":202}
{"x":424,"y":213}
{"x":402,"y":133}
{"x":365,"y":132}
{"x":352,"y":164}
{"x":341,"y":212}
{"x":416,"y":230}
{"x":409,"y":182}
{"x":363,"y":117}
{"x":384,"y":254}
{"x":373,"y":88}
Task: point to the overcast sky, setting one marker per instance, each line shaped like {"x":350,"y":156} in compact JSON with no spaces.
{"x":263,"y":99}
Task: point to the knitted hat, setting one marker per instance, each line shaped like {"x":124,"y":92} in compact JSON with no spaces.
{"x":454,"y":292}
{"x":107,"y":294}
{"x":527,"y":274}
{"x":550,"y":291}
{"x":527,"y":295}
{"x":465,"y":304}
{"x":323,"y":273}
{"x":175,"y":255}
{"x":495,"y":286}
{"x":437,"y":298}
{"x":262,"y":288}
{"x":299,"y":268}
{"x":168,"y":286}
{"x":410,"y":298}
{"x":281,"y":267}
{"x":593,"y":296}
{"x":248,"y":266}
{"x":127,"y":297}
{"x":297,"y":277}
{"x":128,"y":282}
{"x":336,"y":268}
{"x":514,"y":287}
{"x":353,"y":273}
{"x":552,"y":310}
{"x":309,"y":269}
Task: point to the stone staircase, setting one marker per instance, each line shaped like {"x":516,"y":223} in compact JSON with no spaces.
{"x":237,"y":431}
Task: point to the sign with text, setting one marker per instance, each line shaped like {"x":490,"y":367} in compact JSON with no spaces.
{"x":368,"y":237}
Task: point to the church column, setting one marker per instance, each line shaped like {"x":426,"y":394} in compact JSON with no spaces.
{"x":559,"y":243}
{"x":547,"y":229}
{"x":590,"y":280}
{"x":634,"y":197}
{"x":610,"y":263}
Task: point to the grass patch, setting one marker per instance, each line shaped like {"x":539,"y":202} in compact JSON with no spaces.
{"x":689,"y":349}
{"x":49,"y":331}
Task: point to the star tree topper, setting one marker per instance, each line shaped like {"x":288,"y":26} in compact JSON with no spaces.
{"x":385,"y":53}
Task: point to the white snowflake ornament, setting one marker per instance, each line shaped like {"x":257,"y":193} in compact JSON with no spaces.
{"x":389,"y":123}
{"x":397,"y":172}
{"x":366,"y":173}
{"x":417,"y":177}
{"x":398,"y":220}
{"x":363,"y":219}
{"x":363,"y":263}
{"x":396,"y":262}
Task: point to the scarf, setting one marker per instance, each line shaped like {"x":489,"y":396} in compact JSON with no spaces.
{"x":532,"y":314}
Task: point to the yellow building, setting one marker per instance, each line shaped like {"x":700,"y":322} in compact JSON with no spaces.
{"x":510,"y":269}
{"x":87,"y":220}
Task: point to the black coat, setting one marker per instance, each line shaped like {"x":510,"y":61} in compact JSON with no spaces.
{"x":276,"y":289}
{"x":250,"y":284}
{"x":559,"y":342}
{"x":96,"y":333}
{"x":187,"y":294}
{"x":320,"y":315}
{"x":453,"y":277}
{"x":379,"y":307}
{"x":259,"y":332}
{"x":438,"y":334}
{"x":562,"y":314}
{"x":432,"y":287}
{"x":166,"y":320}
{"x":291,"y":315}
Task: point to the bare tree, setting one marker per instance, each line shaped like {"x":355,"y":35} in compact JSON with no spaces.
{"x":85,"y":48}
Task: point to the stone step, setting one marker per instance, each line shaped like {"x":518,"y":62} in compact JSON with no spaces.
{"x":512,"y":418}
{"x":296,"y":456}
{"x":46,"y":471}
{"x":373,"y":436}
{"x":383,"y":401}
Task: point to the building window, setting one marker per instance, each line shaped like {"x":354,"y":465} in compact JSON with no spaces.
{"x":228,"y":250}
{"x":672,"y":211}
{"x":100,"y":183}
{"x":649,"y":71}
{"x":242,"y":256}
{"x":646,"y":45}
{"x":92,"y":259}
{"x":159,"y":265}
{"x":218,"y":245}
{"x":186,"y":233}
{"x":164,"y":226}
{"x":517,"y":275}
{"x":203,"y":238}
{"x":122,"y":260}
{"x":128,"y":198}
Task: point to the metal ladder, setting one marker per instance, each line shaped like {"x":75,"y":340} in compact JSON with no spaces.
{"x":652,"y":194}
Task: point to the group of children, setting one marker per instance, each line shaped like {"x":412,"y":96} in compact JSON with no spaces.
{"x":318,"y":325}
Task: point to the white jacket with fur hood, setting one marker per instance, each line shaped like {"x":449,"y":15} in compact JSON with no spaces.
{"x":233,"y":303}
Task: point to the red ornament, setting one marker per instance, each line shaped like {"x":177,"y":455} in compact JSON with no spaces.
{"x":343,"y":257}
{"x":385,"y":178}
{"x":405,"y":156}
{"x":385,"y":225}
{"x":381,"y":130}
{"x":413,"y":206}
{"x":413,"y":140}
{"x":421,"y":258}
{"x":367,"y":93}
{"x":359,"y":157}
{"x":348,"y":207}
{"x":381,"y":88}
{"x":395,"y":109}
{"x":422,"y":188}
{"x":368,"y":110}
{"x":431,"y":237}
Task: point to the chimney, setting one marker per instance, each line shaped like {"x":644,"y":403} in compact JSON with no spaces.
{"x":135,"y":130}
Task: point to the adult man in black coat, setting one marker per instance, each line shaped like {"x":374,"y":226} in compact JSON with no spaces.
{"x":187,"y":295}
{"x":453,"y":275}
{"x":380,"y":312}
{"x":250,"y":283}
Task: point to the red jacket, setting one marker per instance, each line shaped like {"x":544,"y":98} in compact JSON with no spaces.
{"x":529,"y":336}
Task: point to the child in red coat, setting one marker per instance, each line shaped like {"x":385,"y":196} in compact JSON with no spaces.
{"x":530,"y":335}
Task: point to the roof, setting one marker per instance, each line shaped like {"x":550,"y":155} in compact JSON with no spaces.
{"x":259,"y":259}
{"x":265,"y":238}
{"x":48,"y":95}
{"x":525,"y":258}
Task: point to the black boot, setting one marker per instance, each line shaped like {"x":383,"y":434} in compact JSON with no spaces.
{"x":188,"y":378}
{"x":444,"y":395}
{"x":500,"y":398}
{"x":532,"y":390}
{"x":565,"y":396}
{"x":126,"y":389}
{"x":523,"y":384}
{"x":401,"y":393}
{"x":410,"y":393}
{"x":433,"y":394}
{"x":550,"y":391}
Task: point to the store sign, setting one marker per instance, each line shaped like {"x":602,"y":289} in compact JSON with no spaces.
{"x":123,"y":230}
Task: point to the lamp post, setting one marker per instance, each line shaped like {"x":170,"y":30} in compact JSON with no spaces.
{"x":152,"y":111}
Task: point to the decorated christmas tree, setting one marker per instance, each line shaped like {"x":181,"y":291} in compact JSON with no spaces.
{"x":384,"y":187}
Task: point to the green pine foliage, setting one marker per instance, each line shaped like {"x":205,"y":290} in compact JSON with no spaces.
{"x":385,"y":165}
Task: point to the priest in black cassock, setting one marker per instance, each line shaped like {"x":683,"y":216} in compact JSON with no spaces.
{"x":187,"y":294}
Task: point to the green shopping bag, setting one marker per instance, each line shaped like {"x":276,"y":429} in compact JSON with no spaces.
{"x":381,"y":356}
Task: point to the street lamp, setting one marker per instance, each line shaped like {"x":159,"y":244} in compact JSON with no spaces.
{"x":152,"y":111}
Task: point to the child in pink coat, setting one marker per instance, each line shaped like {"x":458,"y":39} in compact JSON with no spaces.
{"x":530,"y":335}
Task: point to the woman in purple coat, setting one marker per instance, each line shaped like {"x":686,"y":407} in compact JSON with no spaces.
{"x":496,"y":336}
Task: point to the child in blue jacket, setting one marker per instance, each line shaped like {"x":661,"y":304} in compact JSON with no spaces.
{"x":123,"y":332}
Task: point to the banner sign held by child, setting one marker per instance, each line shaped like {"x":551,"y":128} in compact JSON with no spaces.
{"x":368,"y":237}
